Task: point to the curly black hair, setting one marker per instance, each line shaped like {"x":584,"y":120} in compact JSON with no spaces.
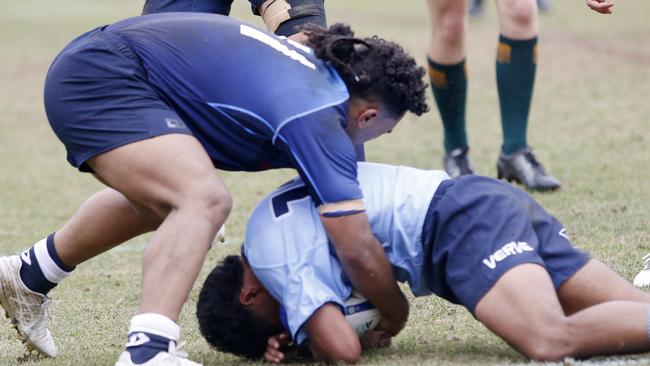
{"x":224,"y":322}
{"x":372,"y":68}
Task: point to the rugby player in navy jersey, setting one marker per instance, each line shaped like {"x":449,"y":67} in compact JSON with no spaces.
{"x":283,"y":17}
{"x":151,"y":105}
{"x":472,"y":240}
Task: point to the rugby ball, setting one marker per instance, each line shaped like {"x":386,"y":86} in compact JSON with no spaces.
{"x":361,"y":314}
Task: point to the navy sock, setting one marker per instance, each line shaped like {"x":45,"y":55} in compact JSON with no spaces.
{"x":42,"y":268}
{"x":449,"y":85}
{"x":516,"y":65}
{"x":143,"y":346}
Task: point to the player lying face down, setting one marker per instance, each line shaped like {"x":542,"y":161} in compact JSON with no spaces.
{"x":152,"y":105}
{"x":473,"y":240}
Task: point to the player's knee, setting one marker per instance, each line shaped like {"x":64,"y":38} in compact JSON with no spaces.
{"x":214,"y":203}
{"x":551,"y":342}
{"x":452,"y":30}
{"x":206,"y":198}
{"x":522,"y":14}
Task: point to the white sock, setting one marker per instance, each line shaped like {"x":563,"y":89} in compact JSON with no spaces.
{"x":157,"y":324}
{"x":52,"y":271}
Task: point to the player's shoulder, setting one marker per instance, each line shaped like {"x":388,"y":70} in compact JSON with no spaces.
{"x":289,"y":201}
{"x":284,"y":221}
{"x":374,"y":176}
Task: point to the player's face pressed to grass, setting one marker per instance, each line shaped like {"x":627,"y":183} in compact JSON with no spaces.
{"x":255,"y":298}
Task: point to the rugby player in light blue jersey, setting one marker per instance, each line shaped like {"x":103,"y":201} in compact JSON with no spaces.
{"x":152,"y":105}
{"x":472,"y":240}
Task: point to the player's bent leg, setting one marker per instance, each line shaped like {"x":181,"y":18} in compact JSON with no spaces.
{"x":105,"y":220}
{"x":516,"y":68}
{"x":518,"y":19}
{"x":172,"y":176}
{"x":523,"y":309}
{"x":446,"y":59}
{"x":596,"y":283}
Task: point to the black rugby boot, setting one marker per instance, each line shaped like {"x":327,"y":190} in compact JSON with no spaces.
{"x":456,"y":162}
{"x":523,"y":167}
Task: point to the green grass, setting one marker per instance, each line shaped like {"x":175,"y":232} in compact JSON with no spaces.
{"x":588,"y":125}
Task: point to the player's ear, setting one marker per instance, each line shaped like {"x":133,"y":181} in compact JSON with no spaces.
{"x":248,"y":295}
{"x":367,"y":116}
{"x":361,"y":112}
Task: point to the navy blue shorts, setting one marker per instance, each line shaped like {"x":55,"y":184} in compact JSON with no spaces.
{"x":478,"y":228}
{"x":97,"y":98}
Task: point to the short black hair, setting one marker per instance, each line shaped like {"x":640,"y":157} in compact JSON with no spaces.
{"x":224,"y":322}
{"x":372,"y":68}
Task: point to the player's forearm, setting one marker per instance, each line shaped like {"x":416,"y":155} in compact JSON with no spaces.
{"x":366,"y":265}
{"x":331,"y":339}
{"x":371,"y":274}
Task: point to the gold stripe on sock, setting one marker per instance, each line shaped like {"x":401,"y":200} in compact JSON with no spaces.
{"x":504,"y":53}
{"x":438,"y":78}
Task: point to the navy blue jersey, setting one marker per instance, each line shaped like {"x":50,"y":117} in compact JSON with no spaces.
{"x":204,"y":6}
{"x":255,"y":101}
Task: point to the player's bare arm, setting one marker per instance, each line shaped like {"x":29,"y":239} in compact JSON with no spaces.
{"x":366,"y":265}
{"x":331,"y":338}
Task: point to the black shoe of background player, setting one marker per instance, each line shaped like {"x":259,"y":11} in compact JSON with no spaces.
{"x":456,"y":162}
{"x":522,"y":167}
{"x":476,"y":8}
{"x":544,"y":6}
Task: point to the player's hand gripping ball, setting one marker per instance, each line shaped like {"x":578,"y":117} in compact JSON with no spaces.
{"x":361,"y":314}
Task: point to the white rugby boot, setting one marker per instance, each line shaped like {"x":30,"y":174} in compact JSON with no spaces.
{"x":173,"y":357}
{"x":642,"y":279}
{"x":28,"y":310}
{"x":220,"y":236}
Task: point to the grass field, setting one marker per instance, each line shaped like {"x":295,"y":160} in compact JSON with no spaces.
{"x":589,"y":125}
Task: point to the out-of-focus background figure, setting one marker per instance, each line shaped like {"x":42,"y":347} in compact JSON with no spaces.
{"x":516,"y":64}
{"x":476,"y":7}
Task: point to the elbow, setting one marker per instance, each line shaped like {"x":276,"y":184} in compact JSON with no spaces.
{"x":344,"y":348}
{"x":348,"y":355}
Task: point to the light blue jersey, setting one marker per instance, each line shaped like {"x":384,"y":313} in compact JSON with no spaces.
{"x":287,"y":247}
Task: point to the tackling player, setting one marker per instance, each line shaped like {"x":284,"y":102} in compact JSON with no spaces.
{"x":151,"y":105}
{"x":473,"y":240}
{"x":282,"y":17}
